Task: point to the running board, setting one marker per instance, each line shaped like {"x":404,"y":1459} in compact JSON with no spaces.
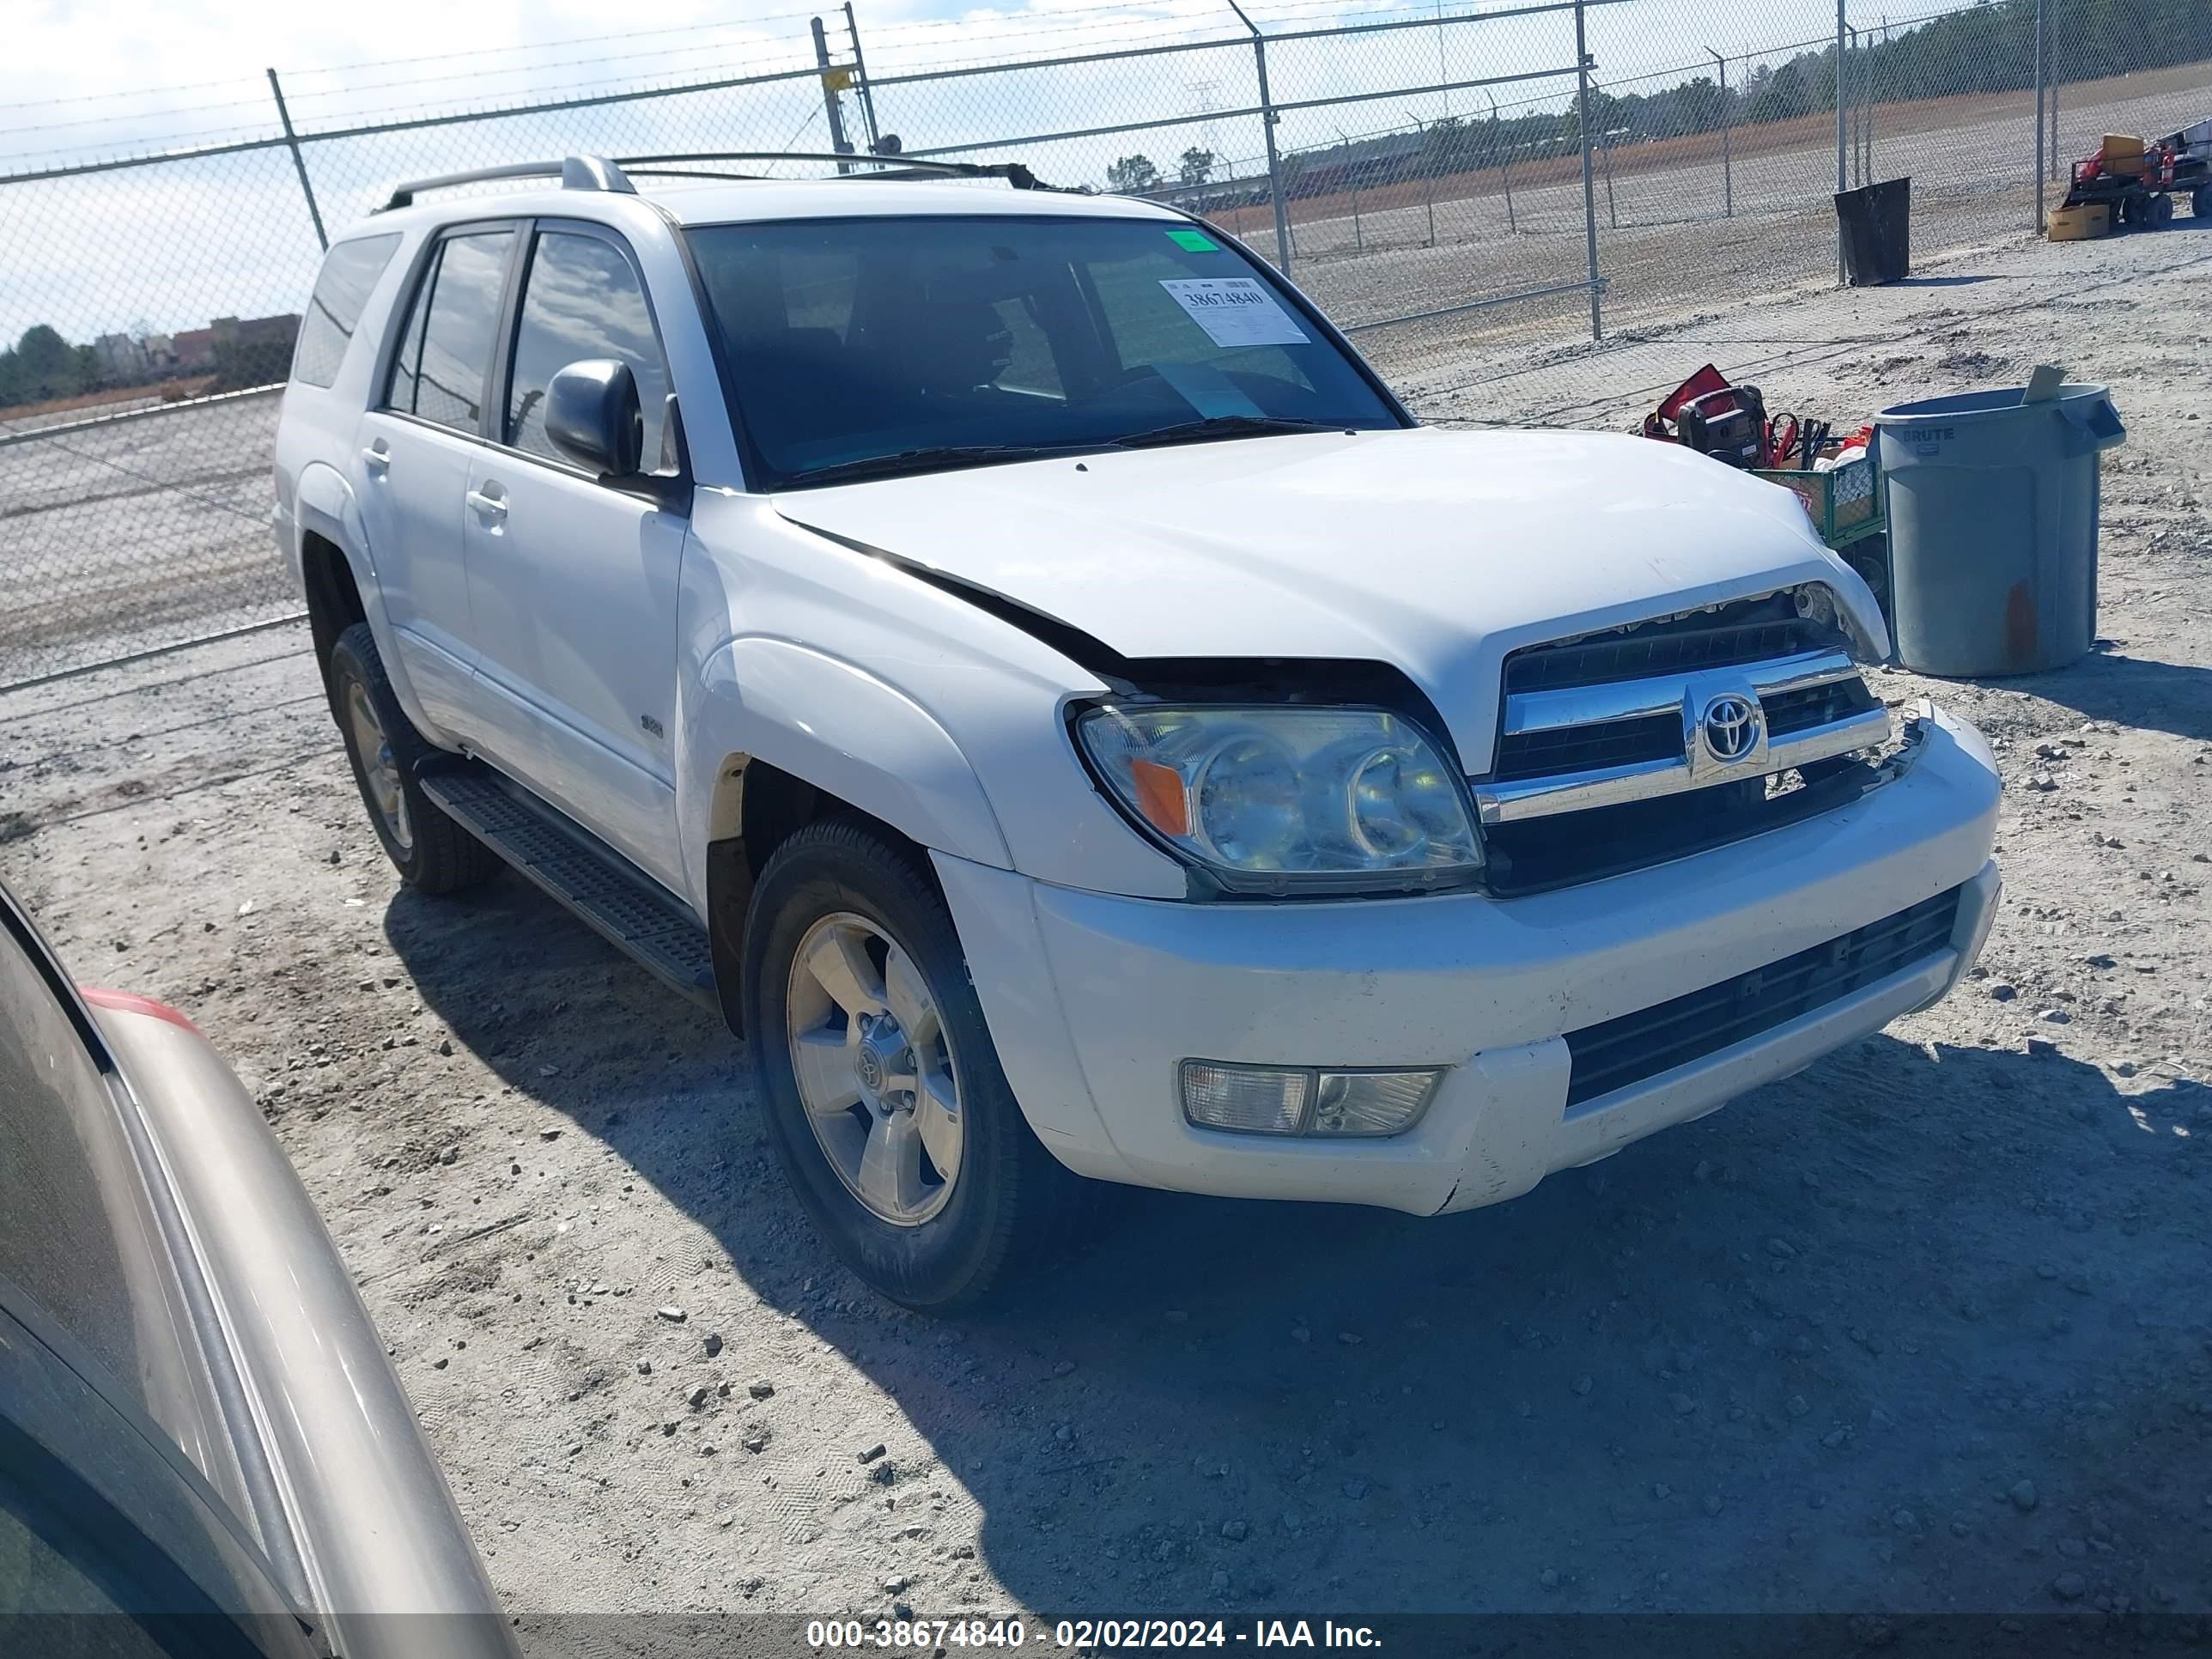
{"x":573,"y":867}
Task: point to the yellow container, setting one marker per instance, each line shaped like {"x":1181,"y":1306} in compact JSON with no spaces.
{"x":2122,"y":152}
{"x":2076,"y":224}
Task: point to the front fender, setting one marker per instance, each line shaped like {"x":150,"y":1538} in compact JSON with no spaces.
{"x":840,"y":728}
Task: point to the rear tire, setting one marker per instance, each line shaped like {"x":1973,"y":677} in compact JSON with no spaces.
{"x":431,"y":853}
{"x":2161,"y":210}
{"x":2201,"y":202}
{"x":844,"y":914}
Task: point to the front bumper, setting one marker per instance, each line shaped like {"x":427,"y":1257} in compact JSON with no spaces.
{"x":1093,"y":1000}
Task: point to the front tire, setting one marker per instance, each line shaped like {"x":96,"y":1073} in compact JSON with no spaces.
{"x":431,"y":853}
{"x":884,"y":1097}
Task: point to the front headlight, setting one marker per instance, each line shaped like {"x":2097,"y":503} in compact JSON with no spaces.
{"x":1273,"y":799}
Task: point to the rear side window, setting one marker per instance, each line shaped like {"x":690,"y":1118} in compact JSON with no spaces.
{"x":446,"y":353}
{"x":334,"y":307}
{"x":583,"y":299}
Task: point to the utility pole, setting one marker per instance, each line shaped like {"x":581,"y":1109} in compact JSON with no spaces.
{"x":867,"y":88}
{"x":1589,"y":193}
{"x":1728,"y":170}
{"x":832,"y":106}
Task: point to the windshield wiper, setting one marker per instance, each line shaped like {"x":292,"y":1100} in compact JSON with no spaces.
{"x":927,"y":459}
{"x":1225,"y":426}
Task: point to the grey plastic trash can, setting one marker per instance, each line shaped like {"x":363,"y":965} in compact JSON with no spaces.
{"x":1993,"y":527}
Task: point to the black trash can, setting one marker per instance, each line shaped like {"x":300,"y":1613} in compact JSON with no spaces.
{"x":1876,"y":223}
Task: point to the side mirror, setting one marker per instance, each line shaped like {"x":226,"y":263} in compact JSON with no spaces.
{"x":591,"y":415}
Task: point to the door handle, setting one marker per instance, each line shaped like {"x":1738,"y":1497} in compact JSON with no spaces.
{"x":377,"y":457}
{"x":492,"y":506}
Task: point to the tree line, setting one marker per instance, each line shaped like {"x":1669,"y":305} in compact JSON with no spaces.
{"x":42,"y":366}
{"x":1986,"y":47}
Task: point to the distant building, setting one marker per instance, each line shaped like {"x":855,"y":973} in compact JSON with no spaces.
{"x":195,"y":350}
{"x":123,"y":361}
{"x":246,"y":351}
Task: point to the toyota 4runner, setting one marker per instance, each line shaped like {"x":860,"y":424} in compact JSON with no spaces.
{"x":1010,"y":655}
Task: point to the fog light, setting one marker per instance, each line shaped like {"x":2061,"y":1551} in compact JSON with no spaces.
{"x":1285,"y":1100}
{"x":1256,"y":1100}
{"x":1370,"y":1103}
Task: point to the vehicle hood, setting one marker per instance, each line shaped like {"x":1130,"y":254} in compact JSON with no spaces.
{"x":1438,"y":552}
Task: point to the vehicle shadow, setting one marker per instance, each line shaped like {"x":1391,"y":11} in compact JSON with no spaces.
{"x":2140,"y":691}
{"x":1784,"y":1356}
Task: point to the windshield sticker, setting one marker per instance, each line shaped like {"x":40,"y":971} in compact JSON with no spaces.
{"x":1193,"y":241}
{"x":1207,"y":390}
{"x":1235,"y":311}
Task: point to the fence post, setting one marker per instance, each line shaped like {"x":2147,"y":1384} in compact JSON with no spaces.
{"x":867,"y":92}
{"x":1590,"y":190}
{"x":1504,"y":166}
{"x":1843,"y":180}
{"x":830,"y":104}
{"x":1728,"y":168}
{"x":2038,"y":115}
{"x":298,"y":163}
{"x":1867,"y":109}
{"x":2052,"y":171}
{"x":1267,"y":128}
{"x":1352,"y":172}
{"x":1428,"y":173}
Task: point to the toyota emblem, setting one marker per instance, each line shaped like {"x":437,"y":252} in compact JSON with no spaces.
{"x":1731,"y":724}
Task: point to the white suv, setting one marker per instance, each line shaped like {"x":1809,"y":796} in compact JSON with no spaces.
{"x":1007,"y":651}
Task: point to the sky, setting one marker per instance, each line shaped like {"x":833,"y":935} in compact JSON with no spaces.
{"x":169,"y":246}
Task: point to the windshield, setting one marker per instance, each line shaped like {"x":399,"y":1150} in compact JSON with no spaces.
{"x":866,"y":347}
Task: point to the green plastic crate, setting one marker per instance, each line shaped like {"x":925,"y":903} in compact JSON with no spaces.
{"x":1843,"y":503}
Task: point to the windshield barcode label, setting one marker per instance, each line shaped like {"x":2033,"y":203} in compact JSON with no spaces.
{"x":1236,"y":311}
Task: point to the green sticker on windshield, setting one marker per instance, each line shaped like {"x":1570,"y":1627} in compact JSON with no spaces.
{"x":1193,"y":241}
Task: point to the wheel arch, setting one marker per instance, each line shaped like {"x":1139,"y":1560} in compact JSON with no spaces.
{"x":332,"y":594}
{"x":780,"y":736}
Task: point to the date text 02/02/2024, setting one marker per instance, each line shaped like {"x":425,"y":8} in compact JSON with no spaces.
{"x":936,"y":1635}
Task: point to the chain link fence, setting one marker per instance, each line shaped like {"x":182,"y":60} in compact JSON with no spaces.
{"x":1473,"y":195}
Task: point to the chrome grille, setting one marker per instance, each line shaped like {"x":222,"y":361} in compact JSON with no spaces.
{"x":1588,"y":713}
{"x":1670,"y":736}
{"x":1587,"y":748}
{"x":1809,"y":705}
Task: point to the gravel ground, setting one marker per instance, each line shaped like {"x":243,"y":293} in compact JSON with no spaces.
{"x":1923,"y":1329}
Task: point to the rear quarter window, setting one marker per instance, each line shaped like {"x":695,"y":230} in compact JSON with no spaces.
{"x":349,"y":272}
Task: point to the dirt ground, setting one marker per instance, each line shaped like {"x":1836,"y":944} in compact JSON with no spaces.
{"x":1923,"y":1328}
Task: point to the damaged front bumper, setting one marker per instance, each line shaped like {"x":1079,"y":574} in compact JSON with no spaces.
{"x":1095,"y":1001}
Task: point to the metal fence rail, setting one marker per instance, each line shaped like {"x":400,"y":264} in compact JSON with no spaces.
{"x":1464,"y":191}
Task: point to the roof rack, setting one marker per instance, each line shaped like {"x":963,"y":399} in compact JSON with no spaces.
{"x":599,"y":174}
